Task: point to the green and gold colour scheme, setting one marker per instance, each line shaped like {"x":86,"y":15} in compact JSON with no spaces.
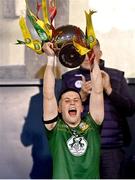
{"x":43,"y":27}
{"x":80,"y":147}
{"x":46,"y":31}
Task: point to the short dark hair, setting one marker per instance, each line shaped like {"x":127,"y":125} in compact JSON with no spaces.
{"x":63,"y":91}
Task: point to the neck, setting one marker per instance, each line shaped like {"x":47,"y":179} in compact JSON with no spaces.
{"x":73,"y":124}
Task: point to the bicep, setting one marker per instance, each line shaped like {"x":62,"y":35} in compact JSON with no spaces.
{"x":50,"y":108}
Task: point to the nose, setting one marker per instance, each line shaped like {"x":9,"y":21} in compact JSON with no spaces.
{"x":72,"y":101}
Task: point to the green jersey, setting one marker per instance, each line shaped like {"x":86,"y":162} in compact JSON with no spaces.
{"x":75,"y":151}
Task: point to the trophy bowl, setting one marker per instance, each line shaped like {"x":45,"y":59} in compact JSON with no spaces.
{"x":64,"y":49}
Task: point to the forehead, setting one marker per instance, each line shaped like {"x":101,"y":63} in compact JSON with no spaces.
{"x":70,"y":94}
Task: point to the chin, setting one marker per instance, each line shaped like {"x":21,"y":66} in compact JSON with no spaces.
{"x":73,"y":121}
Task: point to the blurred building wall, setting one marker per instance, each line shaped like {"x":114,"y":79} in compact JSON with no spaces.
{"x":113,"y":26}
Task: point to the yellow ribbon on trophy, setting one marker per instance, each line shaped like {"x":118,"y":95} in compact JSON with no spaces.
{"x":47,"y":24}
{"x":45,"y":12}
{"x":28,"y":41}
{"x":43,"y":29}
{"x":90,"y":36}
{"x":80,"y":49}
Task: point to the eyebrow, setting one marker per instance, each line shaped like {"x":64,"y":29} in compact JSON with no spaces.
{"x":70,"y":98}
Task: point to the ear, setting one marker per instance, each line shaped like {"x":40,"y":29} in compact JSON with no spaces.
{"x":59,"y":109}
{"x":100,"y":53}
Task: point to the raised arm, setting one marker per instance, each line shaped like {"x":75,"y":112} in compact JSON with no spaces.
{"x":96,"y":106}
{"x":49,"y":99}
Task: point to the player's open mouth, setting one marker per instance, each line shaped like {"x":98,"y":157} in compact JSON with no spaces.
{"x":72,"y":112}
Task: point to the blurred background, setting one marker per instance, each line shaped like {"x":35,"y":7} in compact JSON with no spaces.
{"x":113,"y":24}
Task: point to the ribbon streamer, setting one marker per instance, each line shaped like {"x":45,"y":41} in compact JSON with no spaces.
{"x":90,"y":34}
{"x":52,"y":10}
{"x":46,"y":31}
{"x":28,"y":41}
{"x":39,"y":6}
{"x":25,"y":31}
{"x":38,"y":26}
{"x":81,"y":49}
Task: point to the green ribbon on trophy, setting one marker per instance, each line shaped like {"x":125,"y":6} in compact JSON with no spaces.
{"x":43,"y":28}
{"x":77,"y":46}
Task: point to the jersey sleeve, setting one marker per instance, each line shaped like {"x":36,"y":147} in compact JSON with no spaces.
{"x":91,"y":121}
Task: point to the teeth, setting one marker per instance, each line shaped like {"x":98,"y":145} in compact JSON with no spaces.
{"x":72,"y":108}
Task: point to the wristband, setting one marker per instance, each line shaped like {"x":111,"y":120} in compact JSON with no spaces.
{"x":50,"y":121}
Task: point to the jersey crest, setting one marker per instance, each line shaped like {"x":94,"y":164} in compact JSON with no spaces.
{"x":77,"y":145}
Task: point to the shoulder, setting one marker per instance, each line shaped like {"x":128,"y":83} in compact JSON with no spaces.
{"x":114,"y":73}
{"x":88,"y":119}
{"x":70,"y":73}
